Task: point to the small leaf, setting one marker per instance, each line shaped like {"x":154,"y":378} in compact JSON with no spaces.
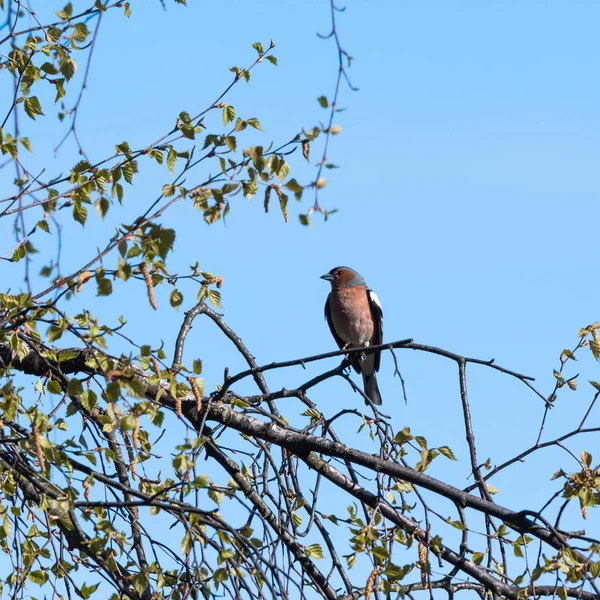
{"x":38,"y":577}
{"x":75,"y":388}
{"x":228,"y":114}
{"x":54,"y":387}
{"x":171,"y":159}
{"x":54,"y":333}
{"x":168,"y":190}
{"x":314,"y":551}
{"x":33,"y":107}
{"x":102,"y":205}
{"x":586,"y":458}
{"x":19,"y":253}
{"x":176,"y":298}
{"x":447,"y":452}
{"x":80,"y":213}
{"x":253,"y":122}
{"x":88,"y":590}
{"x":67,"y":67}
{"x":214,"y":297}
{"x":187,"y":544}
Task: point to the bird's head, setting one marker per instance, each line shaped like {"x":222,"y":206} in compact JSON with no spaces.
{"x":343,"y":276}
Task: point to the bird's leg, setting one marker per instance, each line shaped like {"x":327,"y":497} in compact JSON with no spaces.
{"x":347,"y":362}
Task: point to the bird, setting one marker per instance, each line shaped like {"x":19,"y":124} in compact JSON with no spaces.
{"x":355,"y":318}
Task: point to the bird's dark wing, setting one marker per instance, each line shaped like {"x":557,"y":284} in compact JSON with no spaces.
{"x":377,"y":313}
{"x":339,"y":341}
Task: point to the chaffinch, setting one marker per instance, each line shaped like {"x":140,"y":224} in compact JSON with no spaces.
{"x":355,"y":318}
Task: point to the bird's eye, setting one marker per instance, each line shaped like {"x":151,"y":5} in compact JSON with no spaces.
{"x":339,"y":272}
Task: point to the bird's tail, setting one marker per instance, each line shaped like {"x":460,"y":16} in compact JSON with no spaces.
{"x":371,"y":389}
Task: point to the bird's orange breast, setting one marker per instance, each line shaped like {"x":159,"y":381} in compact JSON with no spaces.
{"x":351,"y":315}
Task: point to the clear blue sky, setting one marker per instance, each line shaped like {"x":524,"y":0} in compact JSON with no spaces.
{"x":467,"y":195}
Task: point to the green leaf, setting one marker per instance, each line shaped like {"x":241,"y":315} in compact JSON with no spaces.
{"x":253,"y":122}
{"x":447,"y":452}
{"x":456,"y":524}
{"x":231,"y":142}
{"x":60,"y":92}
{"x":80,"y":32}
{"x":128,"y":423}
{"x":67,"y":355}
{"x":421,"y":441}
{"x":54,"y":333}
{"x":586,"y":457}
{"x":88,"y":590}
{"x":220,"y":575}
{"x":228,"y":114}
{"x":67,"y":67}
{"x":129,"y":168}
{"x":33,"y":107}
{"x":140,"y":583}
{"x":322,"y":100}
{"x":283,"y":171}
{"x":66,"y":12}
{"x":113,"y":391}
{"x":176,"y":298}
{"x":168,"y":190}
{"x":54,"y":387}
{"x":75,"y":388}
{"x":272,"y":60}
{"x":562,"y":593}
{"x":38,"y":577}
{"x":314,"y":551}
{"x":104,"y":284}
{"x":187,"y":544}
{"x":43,"y":225}
{"x":157,"y":155}
{"x":214,"y":297}
{"x":80,"y":212}
{"x":395,"y":573}
{"x":171,"y":159}
{"x":102,"y":205}
{"x":88,"y":400}
{"x":19,"y":253}
{"x":134,"y":388}
{"x":216,"y":496}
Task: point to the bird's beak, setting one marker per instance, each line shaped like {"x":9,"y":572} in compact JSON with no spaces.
{"x":327,"y":277}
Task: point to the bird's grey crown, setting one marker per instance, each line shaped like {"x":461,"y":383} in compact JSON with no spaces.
{"x":358,"y":279}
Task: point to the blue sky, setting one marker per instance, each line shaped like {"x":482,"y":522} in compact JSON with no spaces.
{"x":467,"y":196}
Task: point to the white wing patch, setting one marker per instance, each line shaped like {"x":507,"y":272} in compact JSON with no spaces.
{"x":375,"y":300}
{"x":378,"y":316}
